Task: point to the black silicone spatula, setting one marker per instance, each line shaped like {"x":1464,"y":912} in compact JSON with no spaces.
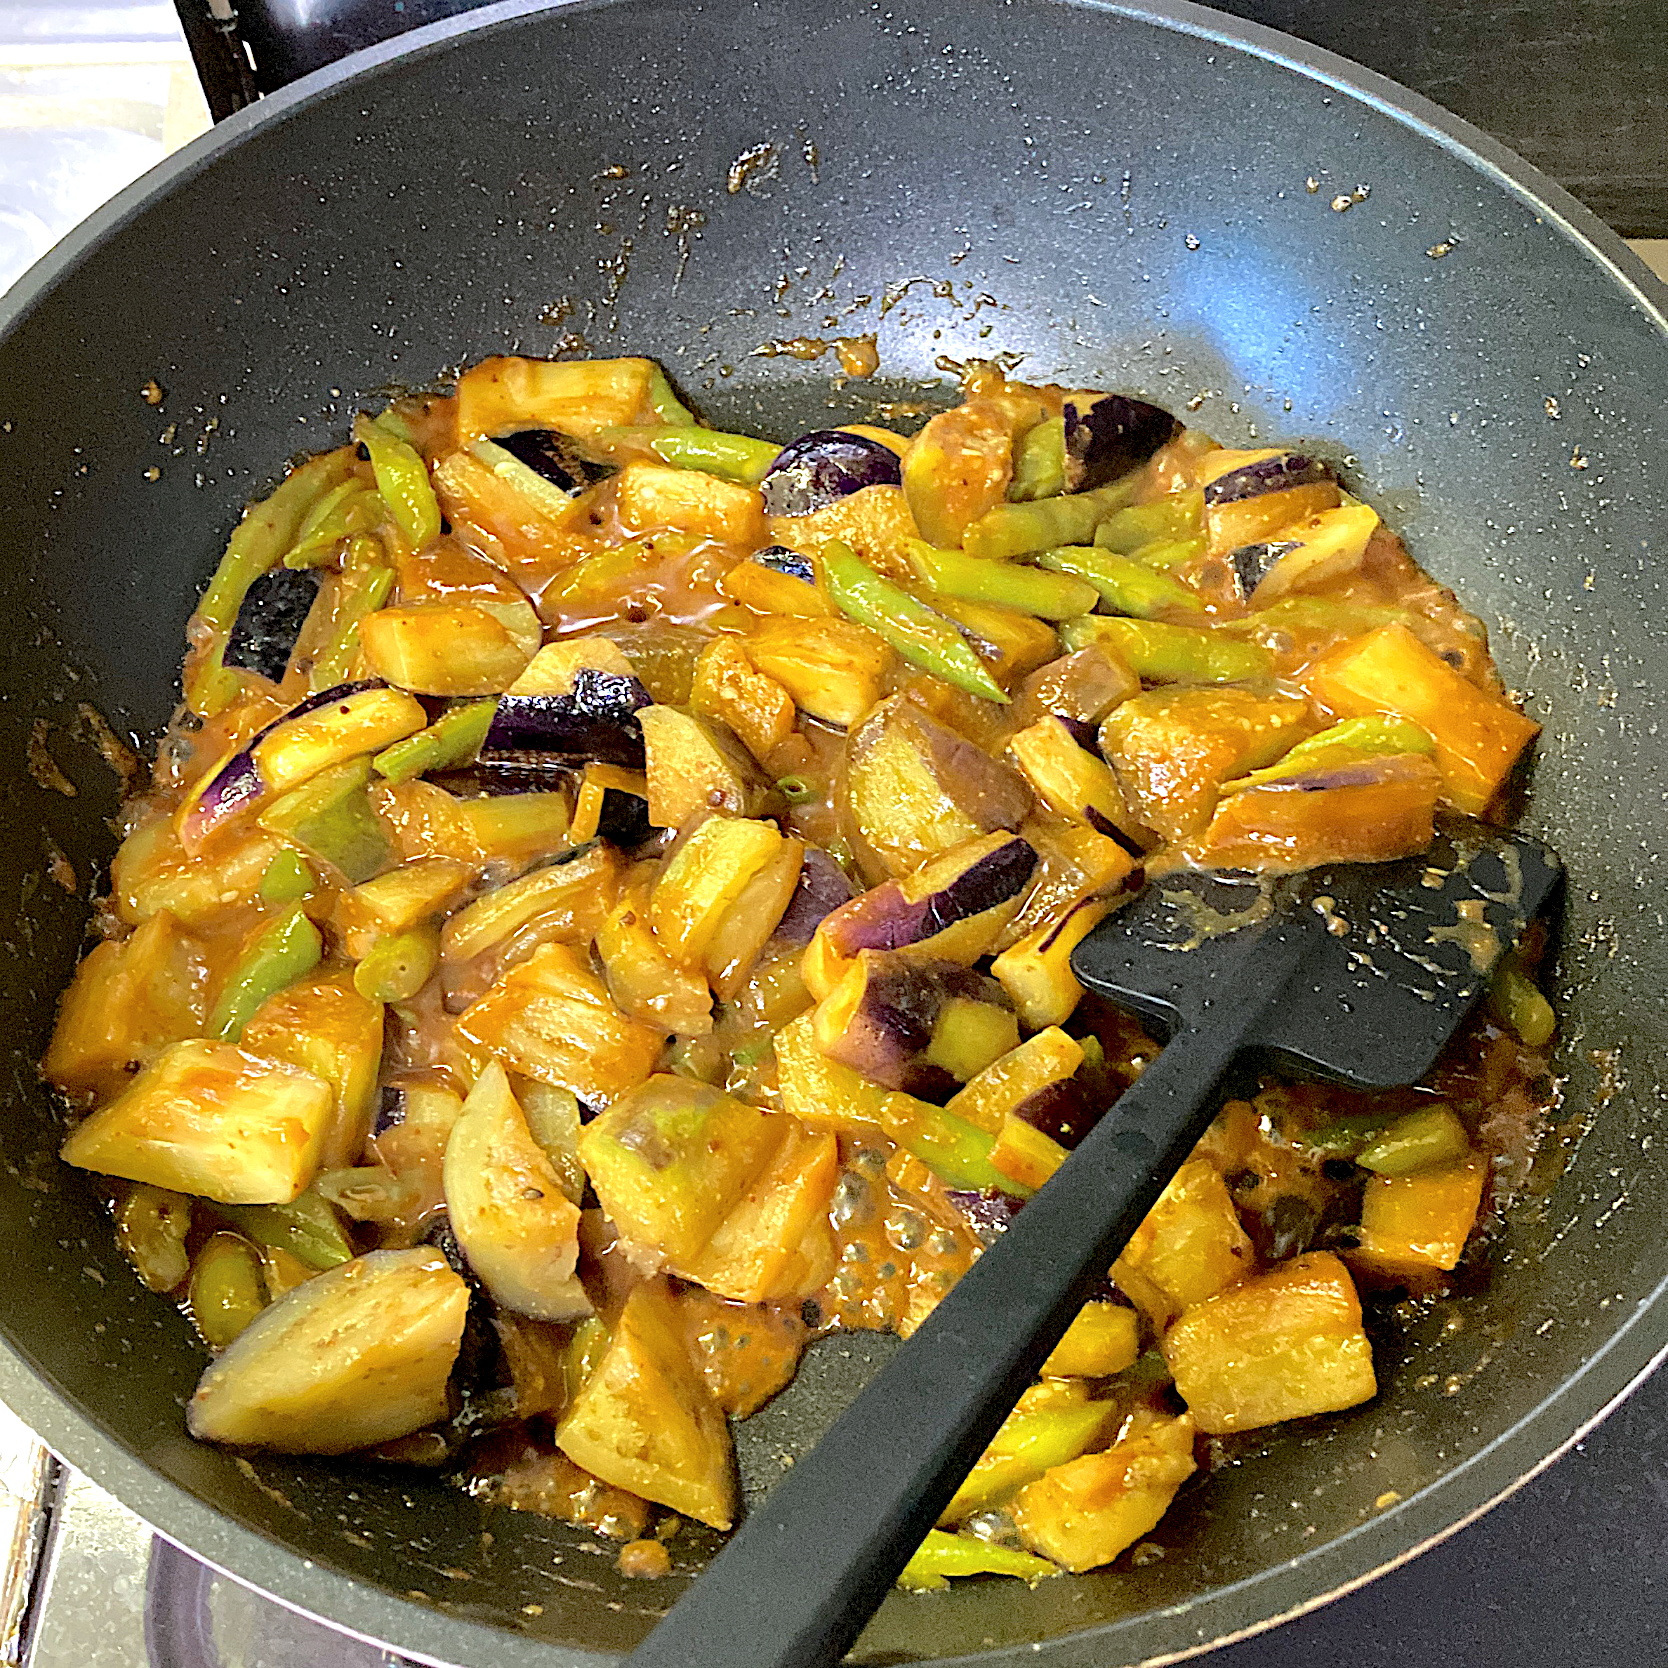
{"x":1360,"y":972}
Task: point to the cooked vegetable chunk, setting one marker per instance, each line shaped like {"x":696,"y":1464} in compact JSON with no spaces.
{"x":128,"y":1001}
{"x":706,"y":879}
{"x":697,"y":765}
{"x":518,"y":1229}
{"x":1190,"y":1247}
{"x":672,"y":1159}
{"x":1413,"y":1226}
{"x":357,"y":1356}
{"x":1084,"y":1513}
{"x":1478,"y":736}
{"x":552,"y":1018}
{"x":646,"y":1422}
{"x":1103,"y":1338}
{"x":209,"y":1119}
{"x":1284,"y":1345}
{"x":833,"y":668}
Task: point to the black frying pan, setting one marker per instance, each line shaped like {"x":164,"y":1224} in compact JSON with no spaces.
{"x":1119,"y":196}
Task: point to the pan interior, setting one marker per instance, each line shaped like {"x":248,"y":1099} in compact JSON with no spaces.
{"x":1102,"y":196}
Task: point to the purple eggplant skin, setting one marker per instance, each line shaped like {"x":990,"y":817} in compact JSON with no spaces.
{"x":239,"y":779}
{"x":1111,"y":437}
{"x":988,"y":1213}
{"x":390,"y":1111}
{"x":780,"y":559}
{"x":1062,"y":1111}
{"x":555,"y":457}
{"x":595,"y":723}
{"x":815,"y":470}
{"x":884,"y":919}
{"x":1276,"y":474}
{"x":274,"y":610}
{"x":1251,"y":562}
{"x":823,"y":887}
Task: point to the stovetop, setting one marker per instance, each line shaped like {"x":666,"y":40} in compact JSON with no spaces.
{"x":1573,"y":1570}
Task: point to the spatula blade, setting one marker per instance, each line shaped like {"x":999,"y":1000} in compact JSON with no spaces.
{"x":1364,"y":970}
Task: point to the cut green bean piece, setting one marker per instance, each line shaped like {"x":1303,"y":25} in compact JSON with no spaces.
{"x":956,"y":1151}
{"x":1344,"y":1137}
{"x":544,"y":496}
{"x":280,"y":954}
{"x":1018,"y":529}
{"x":288,"y":876}
{"x":1123,"y":584}
{"x":1421,"y":1140}
{"x":1353,"y":738}
{"x":402,"y":478}
{"x":267,"y":530}
{"x":452,"y":739}
{"x":942,"y":1555}
{"x":397,"y":967}
{"x":665,"y":404}
{"x":922,"y":637}
{"x":1039,"y":463}
{"x":1177,"y":515}
{"x":226,"y":1290}
{"x":307,"y":1227}
{"x":1516,"y":1001}
{"x":1166,"y":555}
{"x":732,"y":457}
{"x":367,"y":582}
{"x":352,"y":508}
{"x":1165,"y":653}
{"x":952,"y":573}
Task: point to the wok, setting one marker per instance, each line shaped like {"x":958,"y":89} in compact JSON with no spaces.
{"x":1117,"y":194}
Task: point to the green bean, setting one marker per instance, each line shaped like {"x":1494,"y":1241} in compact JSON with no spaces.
{"x":1123,"y":584}
{"x":1353,"y":738}
{"x":267,"y":530}
{"x":732,"y":457}
{"x":226,"y":1292}
{"x":331,"y":816}
{"x":954,"y":1150}
{"x":352,"y":508}
{"x":1344,"y":1137}
{"x":1039,"y":462}
{"x":1516,"y":1001}
{"x":151,"y":1228}
{"x":288,"y":876}
{"x":1018,"y":529}
{"x":368,"y":581}
{"x":1171,"y":653}
{"x":307,"y":1227}
{"x":402,"y":478}
{"x":397,"y":967}
{"x":280,"y":954}
{"x":1177,"y":515}
{"x":665,"y":404}
{"x":1166,"y":555}
{"x":941,"y":1555}
{"x":951,"y":573}
{"x":924,"y":638}
{"x":798,"y":790}
{"x":1422,"y":1140}
{"x":454,"y":738}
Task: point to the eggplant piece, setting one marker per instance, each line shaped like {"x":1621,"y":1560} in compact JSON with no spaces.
{"x":810,"y":473}
{"x":920,"y":1026}
{"x":211,"y":1120}
{"x":695,"y":765}
{"x":913,"y":788}
{"x":512,"y":1217}
{"x":823,"y":887}
{"x":1079,"y":689}
{"x":1250,"y":564}
{"x":556,"y":457}
{"x":576,"y":703}
{"x":1112,"y":436}
{"x":355,"y":1356}
{"x":988,"y":1211}
{"x":645,"y":1420}
{"x":780,"y":559}
{"x":672,"y":1159}
{"x":1267,"y":472}
{"x":953,"y":908}
{"x":274,"y":610}
{"x":1022,"y":1083}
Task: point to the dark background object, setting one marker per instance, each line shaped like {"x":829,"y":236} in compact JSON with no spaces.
{"x":1579,"y":90}
{"x":1496,"y":382}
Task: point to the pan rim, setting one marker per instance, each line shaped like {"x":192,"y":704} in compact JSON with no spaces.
{"x":1294,"y":1587}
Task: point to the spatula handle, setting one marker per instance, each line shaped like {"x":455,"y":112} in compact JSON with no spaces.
{"x":795,"y":1586}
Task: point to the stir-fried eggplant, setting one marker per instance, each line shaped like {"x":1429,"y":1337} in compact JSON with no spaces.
{"x":609,"y":913}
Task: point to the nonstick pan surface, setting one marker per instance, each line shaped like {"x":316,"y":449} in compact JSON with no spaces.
{"x":1162,"y":200}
